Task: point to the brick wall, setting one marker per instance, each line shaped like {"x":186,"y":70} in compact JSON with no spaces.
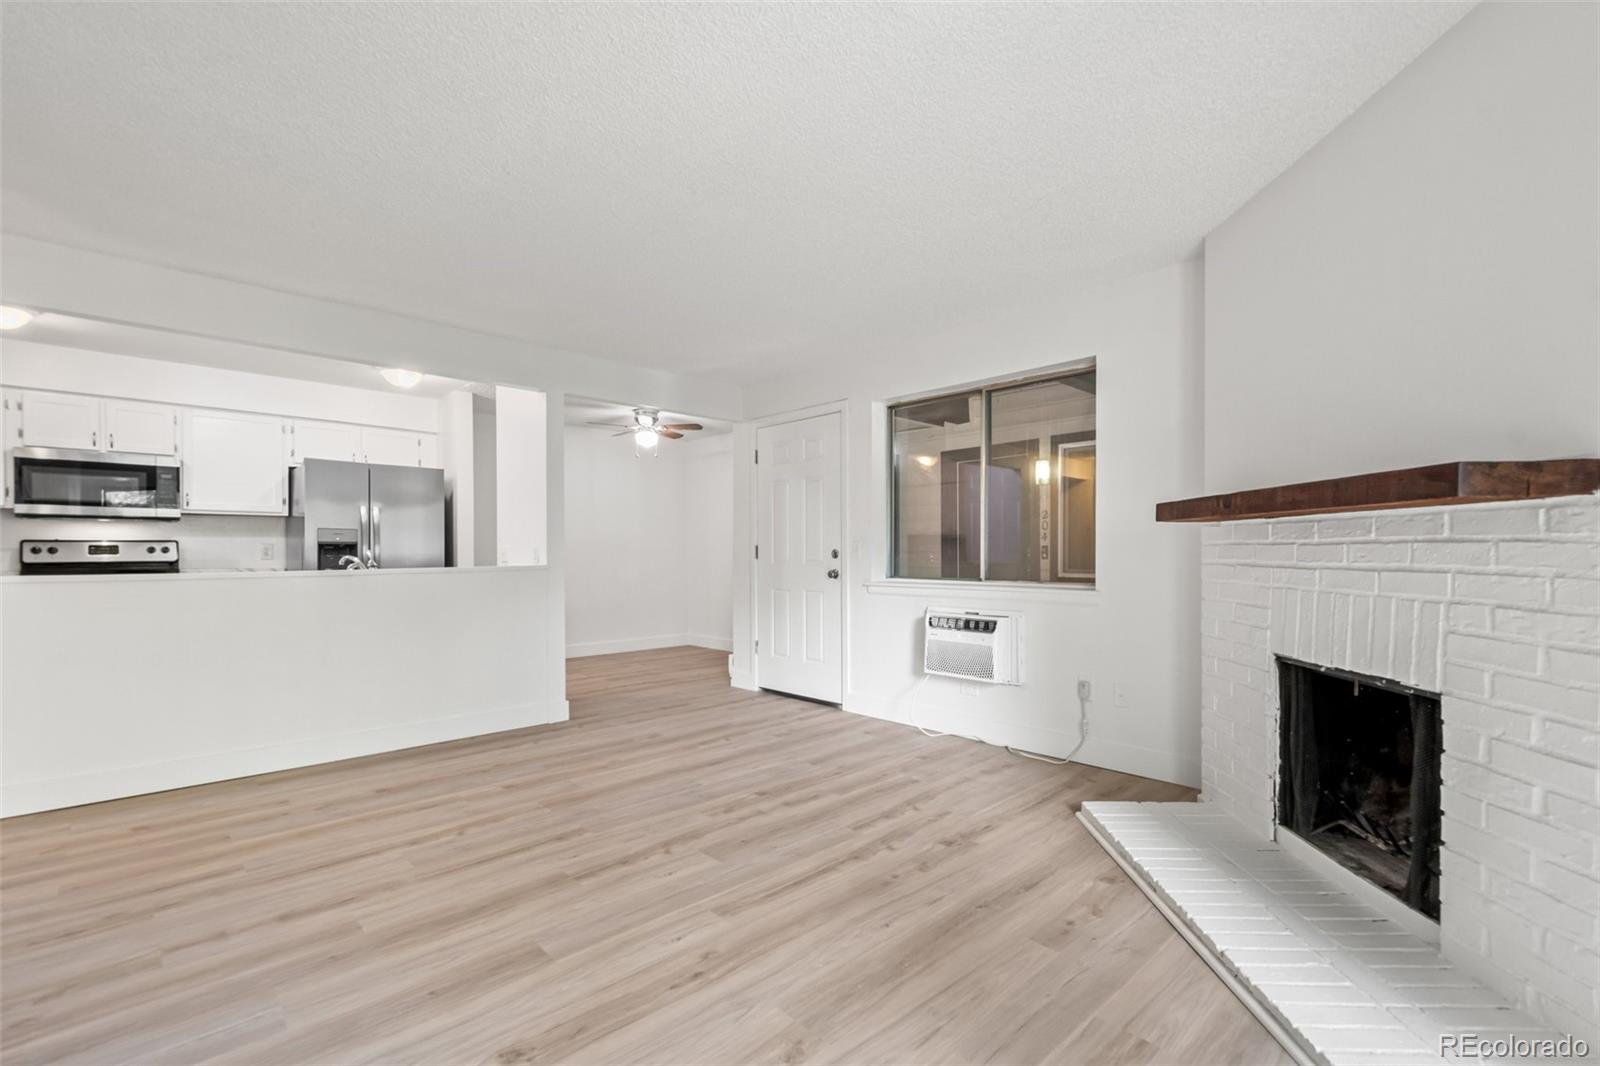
{"x":1497,"y":608}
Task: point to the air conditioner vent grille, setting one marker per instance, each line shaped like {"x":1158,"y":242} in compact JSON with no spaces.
{"x":966,"y":660}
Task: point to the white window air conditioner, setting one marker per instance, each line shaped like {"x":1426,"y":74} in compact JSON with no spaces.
{"x":973,"y":645}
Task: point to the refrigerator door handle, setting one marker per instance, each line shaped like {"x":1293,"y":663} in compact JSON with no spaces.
{"x":377,"y":536}
{"x":363,"y":541}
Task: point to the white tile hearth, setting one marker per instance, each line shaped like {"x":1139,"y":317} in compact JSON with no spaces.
{"x":1346,"y":984}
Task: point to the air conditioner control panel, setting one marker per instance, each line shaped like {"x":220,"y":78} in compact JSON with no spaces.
{"x":965,"y":624}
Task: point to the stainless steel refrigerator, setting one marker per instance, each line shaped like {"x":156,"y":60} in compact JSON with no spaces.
{"x":384,"y":516}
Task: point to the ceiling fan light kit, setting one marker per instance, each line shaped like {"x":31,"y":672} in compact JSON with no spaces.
{"x":647,"y":429}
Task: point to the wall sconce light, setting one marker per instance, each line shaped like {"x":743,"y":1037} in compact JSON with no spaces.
{"x":1041,"y":471}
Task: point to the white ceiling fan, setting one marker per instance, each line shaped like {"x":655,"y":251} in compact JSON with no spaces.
{"x":647,"y":428}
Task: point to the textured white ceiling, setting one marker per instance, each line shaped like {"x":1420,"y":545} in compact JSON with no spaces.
{"x":687,"y":186}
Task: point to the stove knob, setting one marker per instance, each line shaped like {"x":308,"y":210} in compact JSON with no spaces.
{"x":35,"y":550}
{"x":151,"y":550}
{"x":52,"y":549}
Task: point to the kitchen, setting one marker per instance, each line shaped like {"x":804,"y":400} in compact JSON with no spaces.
{"x":352,"y":553}
{"x":124,"y":463}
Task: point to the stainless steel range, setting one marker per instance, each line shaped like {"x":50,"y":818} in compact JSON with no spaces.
{"x":99,"y":556}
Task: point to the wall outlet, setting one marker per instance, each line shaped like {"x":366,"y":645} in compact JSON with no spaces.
{"x":971,"y":688}
{"x":1085,"y":690}
{"x":268,"y":551}
{"x":1119,"y":694}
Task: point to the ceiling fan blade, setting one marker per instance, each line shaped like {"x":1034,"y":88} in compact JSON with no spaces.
{"x":625,"y":433}
{"x":606,"y":425}
{"x":690,"y":426}
{"x":669,"y":434}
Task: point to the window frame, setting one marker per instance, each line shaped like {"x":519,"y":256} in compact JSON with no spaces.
{"x":987,"y":390}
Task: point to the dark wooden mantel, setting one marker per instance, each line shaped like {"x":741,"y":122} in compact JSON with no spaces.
{"x":1420,"y":486}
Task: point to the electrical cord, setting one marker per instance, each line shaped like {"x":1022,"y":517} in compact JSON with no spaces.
{"x":1083,"y":727}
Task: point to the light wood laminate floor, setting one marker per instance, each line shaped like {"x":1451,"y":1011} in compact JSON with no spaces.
{"x":683,"y":873}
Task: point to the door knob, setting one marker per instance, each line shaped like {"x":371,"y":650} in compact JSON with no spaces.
{"x":833,"y":573}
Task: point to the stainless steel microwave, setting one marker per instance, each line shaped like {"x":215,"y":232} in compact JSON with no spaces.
{"x":79,"y":483}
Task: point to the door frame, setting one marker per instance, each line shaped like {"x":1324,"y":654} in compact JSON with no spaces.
{"x":846,"y":560}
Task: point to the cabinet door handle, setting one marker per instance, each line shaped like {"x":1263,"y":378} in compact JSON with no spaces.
{"x":111,"y":441}
{"x":94,"y":439}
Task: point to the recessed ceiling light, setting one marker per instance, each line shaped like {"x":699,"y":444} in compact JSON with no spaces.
{"x":402,"y":379}
{"x":13,"y":317}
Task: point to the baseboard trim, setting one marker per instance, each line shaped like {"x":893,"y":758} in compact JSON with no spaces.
{"x":671,"y":640}
{"x":1154,"y":763}
{"x":29,"y":797}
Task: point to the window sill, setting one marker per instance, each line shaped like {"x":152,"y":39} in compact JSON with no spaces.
{"x":983,"y":590}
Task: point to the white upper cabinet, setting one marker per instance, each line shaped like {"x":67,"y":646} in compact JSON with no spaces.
{"x":132,"y":426}
{"x":393,"y":447}
{"x":12,"y":435}
{"x":61,"y":420}
{"x":323,"y":440}
{"x":235,"y":463}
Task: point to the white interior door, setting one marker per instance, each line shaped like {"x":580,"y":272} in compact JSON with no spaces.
{"x":800,"y":559}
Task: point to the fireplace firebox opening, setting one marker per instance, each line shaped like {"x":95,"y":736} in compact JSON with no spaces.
{"x":1359,"y":776}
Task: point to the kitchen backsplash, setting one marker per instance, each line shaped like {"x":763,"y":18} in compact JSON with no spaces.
{"x":207,"y":542}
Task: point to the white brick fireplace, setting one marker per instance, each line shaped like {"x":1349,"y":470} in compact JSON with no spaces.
{"x":1497,"y":608}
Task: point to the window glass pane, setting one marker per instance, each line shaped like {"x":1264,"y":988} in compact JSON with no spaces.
{"x":1042,"y":451}
{"x":936,"y":487}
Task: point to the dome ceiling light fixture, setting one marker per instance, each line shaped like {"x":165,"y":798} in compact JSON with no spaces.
{"x":14,"y":317}
{"x":401,"y":379}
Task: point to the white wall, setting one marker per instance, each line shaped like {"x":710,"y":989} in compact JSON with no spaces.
{"x":649,"y":543}
{"x":1138,"y":628}
{"x":484,"y":474}
{"x":521,"y":419}
{"x":457,"y":454}
{"x":26,"y":365}
{"x":203,"y":678}
{"x":1422,"y":286}
{"x":707,"y":524}
{"x":52,"y":277}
